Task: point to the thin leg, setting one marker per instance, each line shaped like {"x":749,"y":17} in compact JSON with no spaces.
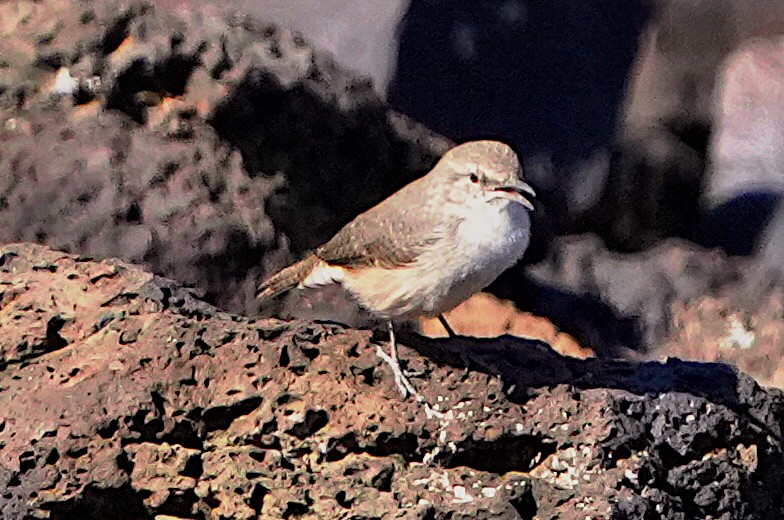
{"x":446,"y":326}
{"x":402,"y":382}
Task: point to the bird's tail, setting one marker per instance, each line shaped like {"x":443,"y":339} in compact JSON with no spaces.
{"x":286,"y":279}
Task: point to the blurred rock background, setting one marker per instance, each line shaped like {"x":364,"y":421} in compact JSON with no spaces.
{"x":210,"y":143}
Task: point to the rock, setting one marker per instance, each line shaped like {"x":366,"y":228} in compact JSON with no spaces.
{"x":486,"y":316}
{"x":669,"y":113}
{"x":719,"y":328}
{"x":362,"y":36}
{"x":746,"y":146}
{"x":621,"y":304}
{"x":209,"y":147}
{"x":746,"y":179}
{"x":209,"y":414}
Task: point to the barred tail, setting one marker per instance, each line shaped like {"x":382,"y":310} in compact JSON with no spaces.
{"x":286,"y":279}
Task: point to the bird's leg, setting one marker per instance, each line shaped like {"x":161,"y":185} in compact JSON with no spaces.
{"x":446,"y":326}
{"x":402,"y":382}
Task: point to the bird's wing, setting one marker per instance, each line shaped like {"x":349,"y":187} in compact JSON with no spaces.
{"x":379,"y":239}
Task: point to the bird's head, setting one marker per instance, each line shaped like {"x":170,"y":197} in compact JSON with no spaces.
{"x":487,"y":171}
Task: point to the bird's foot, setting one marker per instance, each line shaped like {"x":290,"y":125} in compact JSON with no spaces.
{"x":401,"y":379}
{"x":450,"y":332}
{"x":414,"y":373}
{"x":405,"y":386}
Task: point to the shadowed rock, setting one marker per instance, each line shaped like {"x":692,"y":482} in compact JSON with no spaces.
{"x":154,"y":403}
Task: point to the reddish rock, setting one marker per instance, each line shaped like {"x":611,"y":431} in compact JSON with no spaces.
{"x":485,"y":316}
{"x":747,"y":177}
{"x":719,"y":329}
{"x":147,"y":402}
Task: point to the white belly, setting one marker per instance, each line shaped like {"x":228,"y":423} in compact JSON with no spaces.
{"x":489,"y":240}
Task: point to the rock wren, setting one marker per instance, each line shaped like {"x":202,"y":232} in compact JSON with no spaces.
{"x":427,"y":247}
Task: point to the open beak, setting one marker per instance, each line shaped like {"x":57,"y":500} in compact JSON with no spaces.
{"x":518,"y":189}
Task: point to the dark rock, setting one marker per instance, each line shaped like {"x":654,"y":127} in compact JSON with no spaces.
{"x":210,"y":149}
{"x":613,"y":302}
{"x":198,"y":418}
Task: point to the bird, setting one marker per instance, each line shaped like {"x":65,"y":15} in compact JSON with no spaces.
{"x":427,"y":247}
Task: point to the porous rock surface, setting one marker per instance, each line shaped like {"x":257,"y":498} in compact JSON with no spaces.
{"x":210,"y":148}
{"x":124,"y":396}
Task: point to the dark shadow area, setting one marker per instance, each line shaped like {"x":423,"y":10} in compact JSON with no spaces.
{"x":526,"y":364}
{"x":545,"y":76}
{"x":336,"y":164}
{"x":653,"y":189}
{"x":548,"y":76}
{"x":112,"y":503}
{"x":583,"y":316}
{"x":738,"y":225}
{"x":144,"y":83}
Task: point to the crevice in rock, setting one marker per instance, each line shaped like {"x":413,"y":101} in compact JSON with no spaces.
{"x":525,"y":505}
{"x":313,"y":421}
{"x":52,"y":341}
{"x":220,"y":417}
{"x":121,"y":503}
{"x":148,"y":429}
{"x":406,"y":444}
{"x":256,"y":499}
{"x":501,"y":455}
{"x":143,"y":83}
{"x":179,"y":504}
{"x":116,"y":33}
{"x":184,"y":433}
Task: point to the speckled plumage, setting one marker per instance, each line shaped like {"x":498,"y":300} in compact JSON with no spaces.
{"x":430,"y":245}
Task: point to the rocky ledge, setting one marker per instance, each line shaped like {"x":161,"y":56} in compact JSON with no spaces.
{"x":124,"y":396}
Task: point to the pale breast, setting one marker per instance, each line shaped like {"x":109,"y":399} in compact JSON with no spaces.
{"x":488,"y":240}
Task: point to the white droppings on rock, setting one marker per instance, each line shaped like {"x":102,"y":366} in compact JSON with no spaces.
{"x":489,"y":492}
{"x":445,"y":481}
{"x":738,"y":336}
{"x":461,"y":495}
{"x":64,"y":83}
{"x":431,"y":456}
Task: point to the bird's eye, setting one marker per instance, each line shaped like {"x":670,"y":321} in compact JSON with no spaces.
{"x":474,"y":178}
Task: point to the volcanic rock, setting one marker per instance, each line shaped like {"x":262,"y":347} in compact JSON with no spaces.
{"x":123,"y":396}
